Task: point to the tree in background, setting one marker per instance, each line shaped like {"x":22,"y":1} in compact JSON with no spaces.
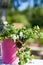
{"x":29,"y":15}
{"x":37,"y":16}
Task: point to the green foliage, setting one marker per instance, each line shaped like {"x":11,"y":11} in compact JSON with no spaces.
{"x":36,"y":16}
{"x":24,"y":56}
{"x":20,"y":34}
{"x":33,"y":16}
{"x":10,"y":3}
{"x":15,"y":16}
{"x":7,"y":31}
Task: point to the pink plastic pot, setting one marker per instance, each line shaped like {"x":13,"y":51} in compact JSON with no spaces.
{"x":9,"y":50}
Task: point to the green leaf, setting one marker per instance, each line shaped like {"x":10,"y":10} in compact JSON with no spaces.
{"x":31,"y":57}
{"x":27,"y":49}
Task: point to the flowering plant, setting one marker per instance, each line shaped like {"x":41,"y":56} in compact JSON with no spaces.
{"x":20,"y":36}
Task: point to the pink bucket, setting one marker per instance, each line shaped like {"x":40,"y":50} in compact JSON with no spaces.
{"x":9,"y":50}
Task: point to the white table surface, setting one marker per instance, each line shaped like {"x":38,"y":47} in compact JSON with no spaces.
{"x":34,"y":62}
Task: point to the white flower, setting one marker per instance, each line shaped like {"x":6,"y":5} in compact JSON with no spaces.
{"x":36,"y":31}
{"x":14,"y":38}
{"x":5,"y":22}
{"x":21,"y":34}
{"x":17,"y":36}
